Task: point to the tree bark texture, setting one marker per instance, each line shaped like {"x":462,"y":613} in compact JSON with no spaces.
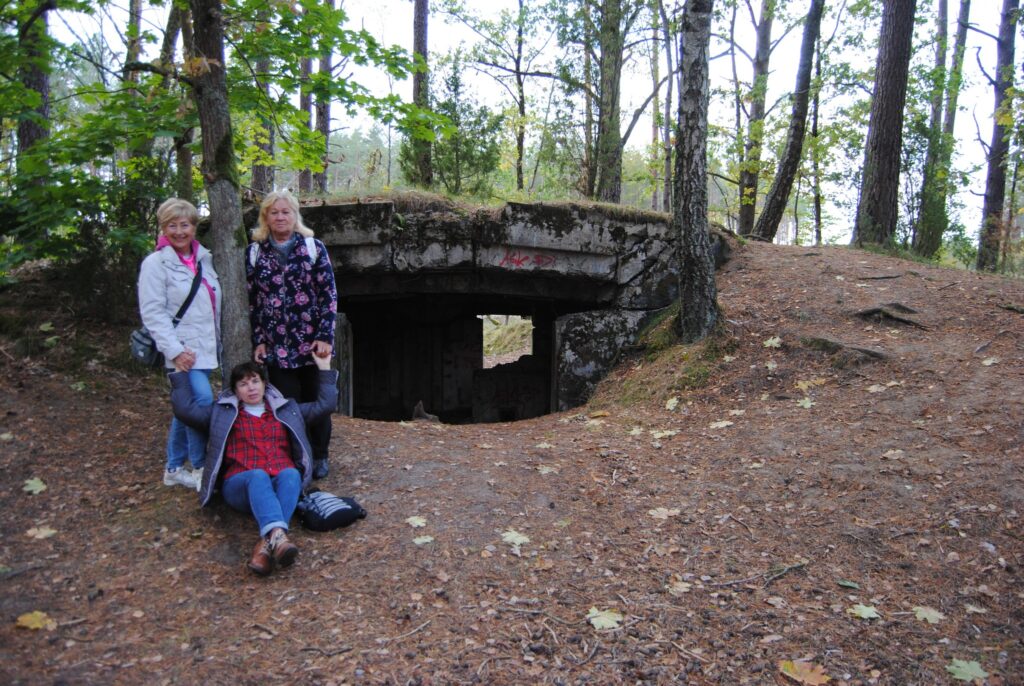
{"x":927,"y":219}
{"x":879,"y":190}
{"x":778,"y":195}
{"x":322,"y":109}
{"x":33,"y":76}
{"x":306,"y":105}
{"x":609,"y":135}
{"x":934,"y":219}
{"x":220,"y":176}
{"x":751,"y":166}
{"x":999,"y":148}
{"x":263,"y":174}
{"x":698,"y":309}
{"x":420,"y":89}
{"x":666,"y":27}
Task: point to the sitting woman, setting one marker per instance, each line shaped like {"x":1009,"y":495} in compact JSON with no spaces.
{"x":258,"y":453}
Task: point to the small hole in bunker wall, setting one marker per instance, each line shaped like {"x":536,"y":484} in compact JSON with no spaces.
{"x":439,"y":360}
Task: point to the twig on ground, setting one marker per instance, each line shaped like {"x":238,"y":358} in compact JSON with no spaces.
{"x":948,"y":285}
{"x":326,"y":653}
{"x":264,"y":629}
{"x":537,"y":612}
{"x":690,"y":653}
{"x":405,"y":635}
{"x":784,"y":571}
{"x":744,"y":524}
{"x":590,"y":657}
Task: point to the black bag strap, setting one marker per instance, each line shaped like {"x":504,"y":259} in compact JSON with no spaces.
{"x":191,"y":294}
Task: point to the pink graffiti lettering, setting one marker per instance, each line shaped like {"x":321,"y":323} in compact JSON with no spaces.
{"x":517,"y":260}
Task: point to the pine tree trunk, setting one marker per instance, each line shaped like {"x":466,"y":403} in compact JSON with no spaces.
{"x":220,"y":176}
{"x":929,"y":218}
{"x":420,"y":91}
{"x":999,"y":148}
{"x":33,"y":76}
{"x":778,"y":196}
{"x":751,"y":167}
{"x":698,"y":309}
{"x":879,"y":191}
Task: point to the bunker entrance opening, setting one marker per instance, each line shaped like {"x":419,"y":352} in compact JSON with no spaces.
{"x":431,"y":349}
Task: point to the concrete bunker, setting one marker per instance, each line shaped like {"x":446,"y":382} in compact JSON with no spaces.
{"x":413,"y":281}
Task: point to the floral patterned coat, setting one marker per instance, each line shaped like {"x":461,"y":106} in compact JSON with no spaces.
{"x":291,"y":303}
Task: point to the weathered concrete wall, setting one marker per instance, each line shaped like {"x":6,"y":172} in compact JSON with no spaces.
{"x":590,"y":275}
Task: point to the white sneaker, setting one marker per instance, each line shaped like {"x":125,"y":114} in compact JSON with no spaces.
{"x":179,"y":477}
{"x":197,"y":474}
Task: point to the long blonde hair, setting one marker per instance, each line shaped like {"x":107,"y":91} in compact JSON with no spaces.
{"x":262,"y":230}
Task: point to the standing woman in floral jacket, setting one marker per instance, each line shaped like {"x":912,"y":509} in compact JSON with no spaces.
{"x":293,"y":305}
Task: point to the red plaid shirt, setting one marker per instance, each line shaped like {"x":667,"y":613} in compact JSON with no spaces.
{"x":257,"y":443}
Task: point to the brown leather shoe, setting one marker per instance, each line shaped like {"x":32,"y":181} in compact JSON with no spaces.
{"x":283,"y":550}
{"x":261,"y":562}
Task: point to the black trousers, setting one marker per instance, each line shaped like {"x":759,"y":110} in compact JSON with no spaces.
{"x":303,"y":385}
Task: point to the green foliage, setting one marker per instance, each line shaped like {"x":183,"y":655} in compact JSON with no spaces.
{"x":466,"y":151}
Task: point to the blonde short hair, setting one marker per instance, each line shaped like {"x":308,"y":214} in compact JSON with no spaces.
{"x":262,"y":229}
{"x":176,"y":208}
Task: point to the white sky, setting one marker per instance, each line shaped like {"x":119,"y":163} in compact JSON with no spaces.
{"x":391,"y":21}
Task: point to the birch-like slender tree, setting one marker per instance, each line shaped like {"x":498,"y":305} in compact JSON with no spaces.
{"x":698,"y":306}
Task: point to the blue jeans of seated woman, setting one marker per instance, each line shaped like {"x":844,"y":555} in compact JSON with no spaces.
{"x":184,"y":442}
{"x":271,"y":500}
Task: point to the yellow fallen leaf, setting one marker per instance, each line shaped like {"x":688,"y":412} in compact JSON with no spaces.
{"x":664,"y":433}
{"x":636,"y":431}
{"x":809,"y":383}
{"x":671,"y":404}
{"x":40,"y":532}
{"x":804,"y":672}
{"x":604,"y":619}
{"x":35,"y":621}
{"x":720,"y":425}
{"x":600,"y":413}
{"x":544,"y":446}
{"x":989,"y":361}
{"x":416,"y":522}
{"x":773,"y":342}
{"x":663,"y":512}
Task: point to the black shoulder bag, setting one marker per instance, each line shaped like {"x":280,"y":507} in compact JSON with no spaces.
{"x":141,"y":343}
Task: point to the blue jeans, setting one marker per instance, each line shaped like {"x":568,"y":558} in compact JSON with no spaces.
{"x":184,"y":441}
{"x":271,"y":500}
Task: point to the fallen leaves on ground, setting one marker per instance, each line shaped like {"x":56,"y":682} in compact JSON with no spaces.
{"x":804,"y":672}
{"x":604,"y":619}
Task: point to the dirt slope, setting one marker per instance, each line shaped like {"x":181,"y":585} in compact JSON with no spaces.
{"x":791,"y":482}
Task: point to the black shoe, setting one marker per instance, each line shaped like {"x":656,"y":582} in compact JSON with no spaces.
{"x":320,"y":468}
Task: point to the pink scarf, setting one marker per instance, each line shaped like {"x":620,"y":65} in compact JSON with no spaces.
{"x":190,"y":262}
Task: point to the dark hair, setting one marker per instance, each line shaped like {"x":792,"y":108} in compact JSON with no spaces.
{"x":245,"y":370}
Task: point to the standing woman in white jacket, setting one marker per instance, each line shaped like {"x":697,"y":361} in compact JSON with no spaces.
{"x":192,"y":346}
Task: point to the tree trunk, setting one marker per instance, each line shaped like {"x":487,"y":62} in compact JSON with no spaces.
{"x":929,"y":217}
{"x":778,"y":196}
{"x":609,"y":136}
{"x":220,"y":176}
{"x":520,"y":97}
{"x":183,"y":142}
{"x":879,"y":191}
{"x":816,"y":155}
{"x":33,"y":75}
{"x":698,"y":309}
{"x":306,"y":106}
{"x":420,"y":89}
{"x":263,"y":174}
{"x":995,"y":182}
{"x":323,"y":114}
{"x":666,"y":136}
{"x":751,"y":166}
{"x":655,"y":158}
{"x":934,"y":219}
